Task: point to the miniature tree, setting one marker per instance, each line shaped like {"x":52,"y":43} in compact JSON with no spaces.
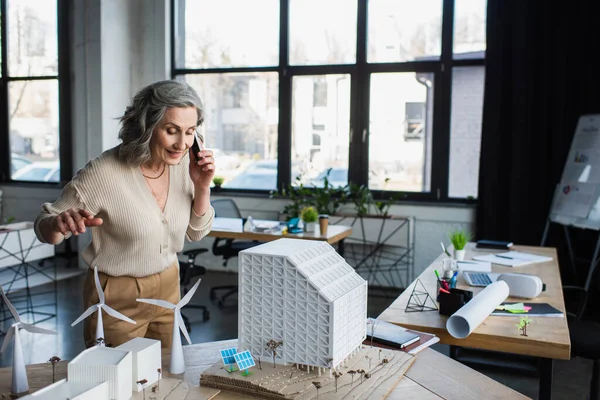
{"x":369,"y":359}
{"x":367,"y":376}
{"x":380,"y":354}
{"x":318,"y":386}
{"x":257,"y":360}
{"x":385,"y":361}
{"x":336,"y":376}
{"x":522,"y":326}
{"x":352,"y":372}
{"x":362,"y":373}
{"x":373,"y":324}
{"x":143,"y":382}
{"x":272,"y":346}
{"x":53,"y":360}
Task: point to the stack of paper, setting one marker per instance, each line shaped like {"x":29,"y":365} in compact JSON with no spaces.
{"x":512,"y":258}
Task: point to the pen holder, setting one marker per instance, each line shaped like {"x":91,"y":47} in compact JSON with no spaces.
{"x":451,"y":303}
{"x":439,"y":286}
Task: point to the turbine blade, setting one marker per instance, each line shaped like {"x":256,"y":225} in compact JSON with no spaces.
{"x":116,"y":314}
{"x":182,"y":326}
{"x":98,"y":286}
{"x":186,"y":299}
{"x":7,"y":338}
{"x":35,"y":329}
{"x":86,"y":314}
{"x":157,"y":302}
{"x":11,"y":308}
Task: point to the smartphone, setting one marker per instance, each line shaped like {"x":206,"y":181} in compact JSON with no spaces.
{"x":196,"y":146}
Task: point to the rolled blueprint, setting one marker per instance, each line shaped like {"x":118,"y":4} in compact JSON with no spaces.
{"x":468,"y":317}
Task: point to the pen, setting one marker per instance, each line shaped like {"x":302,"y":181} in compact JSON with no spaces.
{"x":445,"y":285}
{"x":444,"y":249}
{"x":436,"y":274}
{"x":444,"y":291}
{"x":507,"y":257}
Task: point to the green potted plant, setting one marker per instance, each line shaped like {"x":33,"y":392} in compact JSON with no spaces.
{"x":309,"y":216}
{"x":218,"y":181}
{"x":459,"y":239}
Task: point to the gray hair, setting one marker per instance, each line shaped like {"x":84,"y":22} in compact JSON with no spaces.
{"x":144,"y":113}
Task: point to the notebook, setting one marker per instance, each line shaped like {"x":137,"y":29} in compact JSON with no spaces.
{"x":512,"y":258}
{"x":537,"y":310}
{"x":396,"y":337}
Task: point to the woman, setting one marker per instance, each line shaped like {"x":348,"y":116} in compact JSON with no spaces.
{"x":140,"y":199}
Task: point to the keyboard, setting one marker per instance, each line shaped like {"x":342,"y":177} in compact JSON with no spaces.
{"x":477,"y":278}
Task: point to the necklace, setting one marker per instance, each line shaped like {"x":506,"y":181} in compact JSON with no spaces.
{"x":161,"y":200}
{"x":155,"y":177}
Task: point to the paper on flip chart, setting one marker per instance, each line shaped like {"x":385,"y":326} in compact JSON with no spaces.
{"x":468,"y":317}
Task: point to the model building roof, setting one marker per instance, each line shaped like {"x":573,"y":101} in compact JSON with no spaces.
{"x":316,"y":260}
{"x":100,"y":355}
{"x":137,"y":344}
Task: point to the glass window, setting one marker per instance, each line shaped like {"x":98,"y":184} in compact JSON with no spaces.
{"x":469,"y":28}
{"x":399,"y":131}
{"x":33,"y":108}
{"x":404,"y":30}
{"x":230,"y":33}
{"x":465,"y":130}
{"x":32,"y":33}
{"x":241,"y":123}
{"x":322,"y":32}
{"x":320,"y":130}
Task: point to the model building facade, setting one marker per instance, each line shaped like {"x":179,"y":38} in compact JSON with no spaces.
{"x":146,"y":360}
{"x":303,"y":293}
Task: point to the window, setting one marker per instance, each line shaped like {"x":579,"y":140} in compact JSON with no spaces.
{"x":386,"y":93}
{"x":32,"y":88}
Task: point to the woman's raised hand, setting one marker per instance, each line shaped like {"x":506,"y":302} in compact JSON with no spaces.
{"x":74,"y":221}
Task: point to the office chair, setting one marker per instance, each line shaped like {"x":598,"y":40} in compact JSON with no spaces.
{"x":186,"y":272}
{"x":585,"y":339}
{"x":227,"y":248}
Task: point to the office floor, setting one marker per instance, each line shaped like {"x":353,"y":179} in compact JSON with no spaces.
{"x":571,"y":378}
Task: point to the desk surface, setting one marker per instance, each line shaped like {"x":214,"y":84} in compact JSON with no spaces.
{"x":432,"y":376}
{"x":547,"y":336}
{"x":335,"y":233}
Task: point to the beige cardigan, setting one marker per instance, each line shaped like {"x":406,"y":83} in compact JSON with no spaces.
{"x":136,"y":238}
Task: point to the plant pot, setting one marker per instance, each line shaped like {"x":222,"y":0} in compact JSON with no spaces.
{"x":459,"y":255}
{"x":216,"y":188}
{"x":310,"y":226}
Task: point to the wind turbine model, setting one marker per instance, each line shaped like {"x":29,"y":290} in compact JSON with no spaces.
{"x":20,"y":383}
{"x":99,"y":307}
{"x":177,"y":364}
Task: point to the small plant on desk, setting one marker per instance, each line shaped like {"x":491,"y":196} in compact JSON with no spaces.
{"x":142,"y":383}
{"x":522,"y":326}
{"x":459,"y":239}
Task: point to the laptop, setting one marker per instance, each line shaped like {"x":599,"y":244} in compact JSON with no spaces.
{"x":480,"y":279}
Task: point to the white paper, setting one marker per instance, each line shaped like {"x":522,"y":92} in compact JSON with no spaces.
{"x":475,"y":266}
{"x":516,"y":258}
{"x":227,"y":224}
{"x":468,"y":317}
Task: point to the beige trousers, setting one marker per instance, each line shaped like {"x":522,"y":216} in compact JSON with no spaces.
{"x":121,"y":293}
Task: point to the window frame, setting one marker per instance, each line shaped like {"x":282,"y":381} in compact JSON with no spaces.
{"x":360,"y":74}
{"x":64,"y":97}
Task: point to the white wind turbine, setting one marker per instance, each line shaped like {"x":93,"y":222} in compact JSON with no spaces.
{"x":99,"y":307}
{"x":20,"y":384}
{"x":177,"y":364}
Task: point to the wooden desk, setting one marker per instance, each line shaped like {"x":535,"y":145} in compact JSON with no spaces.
{"x":547,"y":338}
{"x":432,"y":376}
{"x":335,"y":234}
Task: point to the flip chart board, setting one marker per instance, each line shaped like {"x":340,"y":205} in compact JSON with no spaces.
{"x":576,"y":199}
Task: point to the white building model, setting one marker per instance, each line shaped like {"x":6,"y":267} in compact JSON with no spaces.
{"x":104,"y":364}
{"x":303,"y":293}
{"x":72,"y":391}
{"x":146,"y":360}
